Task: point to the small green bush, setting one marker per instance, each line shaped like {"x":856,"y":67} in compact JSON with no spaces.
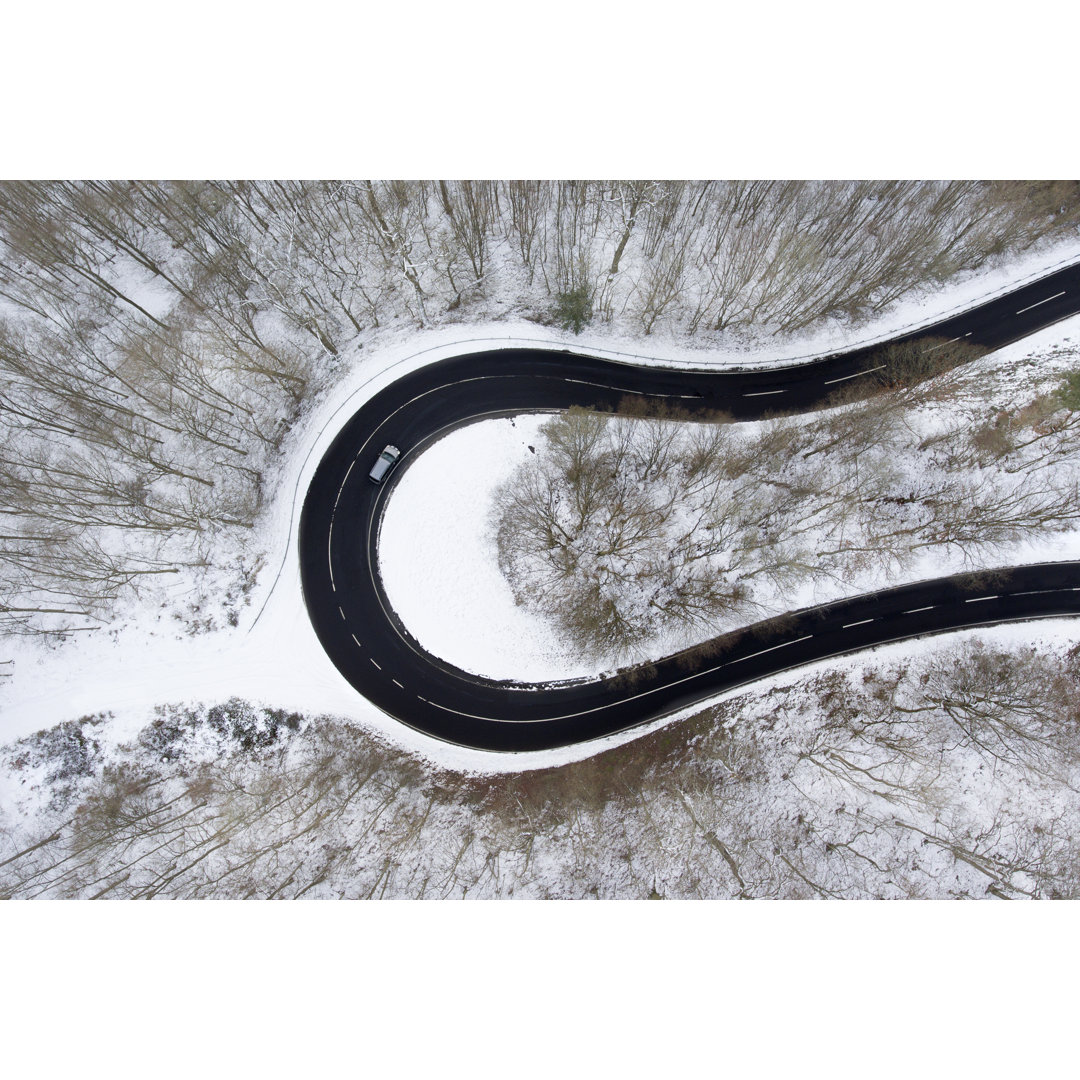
{"x":573,"y":310}
{"x":1069,"y":391}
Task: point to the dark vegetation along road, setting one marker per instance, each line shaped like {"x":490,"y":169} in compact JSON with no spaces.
{"x":339,"y":530}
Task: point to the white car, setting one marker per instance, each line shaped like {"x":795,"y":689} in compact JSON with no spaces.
{"x":383,"y":464}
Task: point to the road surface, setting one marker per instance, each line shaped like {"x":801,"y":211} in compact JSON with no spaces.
{"x":342,"y":512}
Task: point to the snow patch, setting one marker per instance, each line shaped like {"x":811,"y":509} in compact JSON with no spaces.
{"x":439,"y":565}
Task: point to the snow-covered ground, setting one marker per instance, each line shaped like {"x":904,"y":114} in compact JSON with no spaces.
{"x":438,"y":564}
{"x":273,"y":656}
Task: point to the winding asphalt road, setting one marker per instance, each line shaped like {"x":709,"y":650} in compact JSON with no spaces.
{"x":353,"y":619}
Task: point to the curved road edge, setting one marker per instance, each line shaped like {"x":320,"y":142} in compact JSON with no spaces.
{"x":341,"y":514}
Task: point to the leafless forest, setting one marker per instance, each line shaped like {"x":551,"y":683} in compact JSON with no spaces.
{"x":896,"y":780}
{"x":622,"y":528}
{"x":158,"y":343}
{"x":158,"y":340}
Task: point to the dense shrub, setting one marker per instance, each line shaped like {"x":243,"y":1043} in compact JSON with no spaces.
{"x":573,"y":310}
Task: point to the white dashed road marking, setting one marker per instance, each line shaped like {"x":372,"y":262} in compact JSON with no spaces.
{"x":770,"y":649}
{"x":949,"y":342}
{"x":844,"y":378}
{"x":1046,"y":301}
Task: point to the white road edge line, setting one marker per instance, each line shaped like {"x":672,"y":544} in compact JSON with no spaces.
{"x":1046,"y":301}
{"x":829,"y":382}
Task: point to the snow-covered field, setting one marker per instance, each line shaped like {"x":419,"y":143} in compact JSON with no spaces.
{"x":272,"y":656}
{"x":438,"y":563}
